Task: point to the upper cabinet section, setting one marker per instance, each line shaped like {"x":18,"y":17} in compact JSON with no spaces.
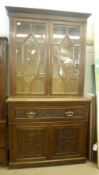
{"x":47,"y":52}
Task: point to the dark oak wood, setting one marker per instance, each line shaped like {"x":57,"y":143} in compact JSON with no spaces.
{"x":51,"y":110}
{"x":48,"y":137}
{"x":47,"y":143}
{"x":68,"y":140}
{"x":3,"y":120}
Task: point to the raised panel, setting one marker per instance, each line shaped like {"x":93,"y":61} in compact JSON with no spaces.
{"x":69,"y":140}
{"x":28,"y":143}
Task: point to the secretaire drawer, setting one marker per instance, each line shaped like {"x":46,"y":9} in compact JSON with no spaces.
{"x":18,"y":112}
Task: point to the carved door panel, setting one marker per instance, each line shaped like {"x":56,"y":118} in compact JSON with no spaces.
{"x":68,"y":140}
{"x":30,"y":143}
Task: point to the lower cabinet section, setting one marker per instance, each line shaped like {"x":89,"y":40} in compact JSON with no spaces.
{"x":49,"y":132}
{"x":47,"y":143}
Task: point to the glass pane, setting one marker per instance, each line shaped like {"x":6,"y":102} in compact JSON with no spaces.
{"x":59,"y":32}
{"x":74,"y":34}
{"x":39,"y":33}
{"x":65,"y":59}
{"x":30,"y":58}
{"x":23,"y":29}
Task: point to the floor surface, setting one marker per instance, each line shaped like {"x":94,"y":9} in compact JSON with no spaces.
{"x":78,"y":169}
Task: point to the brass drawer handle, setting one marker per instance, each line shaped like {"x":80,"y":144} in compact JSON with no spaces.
{"x":31,"y":114}
{"x":69,"y":113}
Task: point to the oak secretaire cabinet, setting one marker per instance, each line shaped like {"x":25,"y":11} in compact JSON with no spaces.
{"x":47,"y":113}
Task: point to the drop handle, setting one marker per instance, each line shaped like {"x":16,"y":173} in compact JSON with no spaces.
{"x":69,"y":113}
{"x":31,"y":114}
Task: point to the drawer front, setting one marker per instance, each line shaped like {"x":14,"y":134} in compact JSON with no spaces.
{"x":67,"y":112}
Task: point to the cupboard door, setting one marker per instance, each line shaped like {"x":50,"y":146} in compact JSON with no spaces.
{"x":30,"y":52}
{"x":68,"y":140}
{"x":27,"y":143}
{"x":66,"y":58}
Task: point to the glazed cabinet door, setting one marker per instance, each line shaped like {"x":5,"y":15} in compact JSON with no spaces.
{"x":68,"y":141}
{"x":27,"y":144}
{"x":66,"y":58}
{"x":29,"y":57}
